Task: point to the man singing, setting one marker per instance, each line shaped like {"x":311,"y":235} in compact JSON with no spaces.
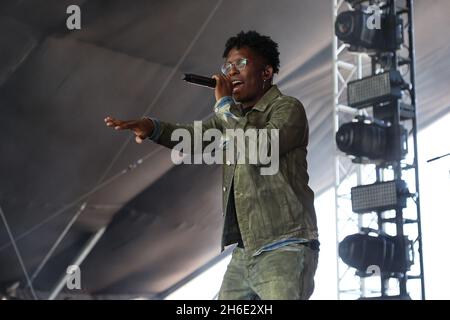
{"x":270,"y":217}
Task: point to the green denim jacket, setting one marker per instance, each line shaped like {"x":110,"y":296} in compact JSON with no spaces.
{"x":269,"y":208}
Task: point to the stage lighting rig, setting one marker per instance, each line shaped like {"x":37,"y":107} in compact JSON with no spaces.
{"x":356,"y":3}
{"x":371,"y":29}
{"x":374,"y":79}
{"x":379,"y":88}
{"x":372,"y":139}
{"x":379,"y":196}
{"x":388,"y":253}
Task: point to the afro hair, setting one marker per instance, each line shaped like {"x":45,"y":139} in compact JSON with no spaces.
{"x":264,"y":46}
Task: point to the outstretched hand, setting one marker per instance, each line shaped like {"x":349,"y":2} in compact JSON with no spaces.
{"x":142,"y":128}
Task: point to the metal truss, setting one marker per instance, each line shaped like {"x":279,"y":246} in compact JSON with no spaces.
{"x":349,"y":66}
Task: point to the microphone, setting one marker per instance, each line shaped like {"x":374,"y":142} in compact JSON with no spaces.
{"x":200,"y":80}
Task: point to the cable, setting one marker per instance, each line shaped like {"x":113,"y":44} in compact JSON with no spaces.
{"x":99,"y":184}
{"x":165,"y":84}
{"x":81,"y":198}
{"x":58,"y":241}
{"x":16,"y":249}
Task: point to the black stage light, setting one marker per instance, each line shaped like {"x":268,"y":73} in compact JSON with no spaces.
{"x":375,"y":89}
{"x":372,"y":139}
{"x":388,"y":253}
{"x":354,"y":3}
{"x":350,"y":27}
{"x":379,"y":196}
{"x":385,"y":111}
{"x":397,"y":297}
{"x":356,"y":29}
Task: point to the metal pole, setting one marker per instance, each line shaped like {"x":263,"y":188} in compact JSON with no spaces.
{"x":410,"y":7}
{"x":19,"y":256}
{"x":83,"y":254}
{"x":335,"y":127}
{"x":58,"y":241}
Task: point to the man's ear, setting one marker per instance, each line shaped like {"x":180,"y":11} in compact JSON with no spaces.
{"x":268,"y":72}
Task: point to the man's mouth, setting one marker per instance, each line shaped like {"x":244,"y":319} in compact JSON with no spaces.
{"x":237,"y":85}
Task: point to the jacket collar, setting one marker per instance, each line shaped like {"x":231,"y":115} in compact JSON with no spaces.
{"x":263,"y":103}
{"x":267,"y":98}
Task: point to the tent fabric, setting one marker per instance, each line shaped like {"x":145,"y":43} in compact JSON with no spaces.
{"x":164,"y":221}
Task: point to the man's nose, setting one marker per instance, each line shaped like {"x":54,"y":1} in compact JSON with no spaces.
{"x":233,"y":70}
